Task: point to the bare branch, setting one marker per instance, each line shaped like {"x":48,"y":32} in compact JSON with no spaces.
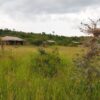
{"x":91,"y":28}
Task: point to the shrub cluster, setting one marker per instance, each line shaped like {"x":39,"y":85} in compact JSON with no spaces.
{"x":47,"y":63}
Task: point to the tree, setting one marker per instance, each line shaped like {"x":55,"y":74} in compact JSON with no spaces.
{"x":88,"y":62}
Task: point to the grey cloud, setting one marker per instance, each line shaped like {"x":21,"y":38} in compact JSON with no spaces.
{"x":32,"y":9}
{"x":45,"y":6}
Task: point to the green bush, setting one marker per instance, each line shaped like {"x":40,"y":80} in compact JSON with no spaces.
{"x":46,"y":63}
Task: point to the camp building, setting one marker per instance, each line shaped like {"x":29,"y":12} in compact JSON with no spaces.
{"x":11,"y":40}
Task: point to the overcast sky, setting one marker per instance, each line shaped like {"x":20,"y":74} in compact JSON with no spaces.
{"x":62,"y":16}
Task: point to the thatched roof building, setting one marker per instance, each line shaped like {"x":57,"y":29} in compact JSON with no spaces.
{"x":50,"y":41}
{"x":11,"y":40}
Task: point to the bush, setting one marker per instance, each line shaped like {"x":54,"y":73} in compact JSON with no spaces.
{"x":46,"y":63}
{"x":38,"y":42}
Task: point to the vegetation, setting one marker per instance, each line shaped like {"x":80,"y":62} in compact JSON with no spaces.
{"x":89,"y":63}
{"x":46,"y":63}
{"x":38,"y":39}
{"x":19,"y":81}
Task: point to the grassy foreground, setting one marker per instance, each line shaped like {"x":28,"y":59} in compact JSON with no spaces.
{"x":18,"y":82}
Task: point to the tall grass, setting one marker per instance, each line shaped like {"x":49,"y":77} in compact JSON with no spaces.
{"x":19,"y":82}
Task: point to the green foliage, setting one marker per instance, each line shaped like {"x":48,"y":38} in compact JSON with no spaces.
{"x":46,"y":63}
{"x":18,"y":80}
{"x":38,"y":42}
{"x":39,"y":38}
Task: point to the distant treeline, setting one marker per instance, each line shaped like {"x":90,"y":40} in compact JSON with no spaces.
{"x":38,"y":39}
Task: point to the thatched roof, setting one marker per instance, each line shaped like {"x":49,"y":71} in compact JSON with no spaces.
{"x":50,"y":41}
{"x":11,"y":38}
{"x":76,"y":42}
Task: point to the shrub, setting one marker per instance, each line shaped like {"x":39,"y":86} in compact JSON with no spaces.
{"x":46,"y":63}
{"x":38,"y":42}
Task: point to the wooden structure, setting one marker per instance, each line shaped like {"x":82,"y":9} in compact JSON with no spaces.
{"x":48,"y":42}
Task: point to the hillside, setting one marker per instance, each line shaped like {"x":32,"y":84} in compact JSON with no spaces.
{"x":38,"y":39}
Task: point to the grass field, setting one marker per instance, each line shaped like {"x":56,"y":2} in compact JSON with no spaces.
{"x":19,"y":82}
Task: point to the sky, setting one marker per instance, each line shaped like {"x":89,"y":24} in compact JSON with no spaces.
{"x":61,"y":16}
